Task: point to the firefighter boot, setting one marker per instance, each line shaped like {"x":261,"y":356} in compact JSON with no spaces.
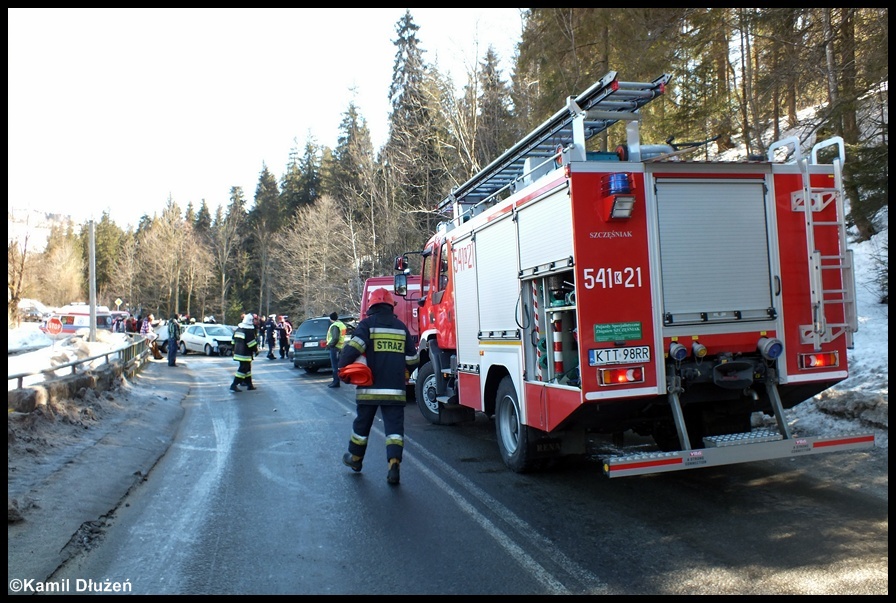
{"x":235,"y":386}
{"x":350,"y":460}
{"x":394,"y":475}
{"x":249,"y":383}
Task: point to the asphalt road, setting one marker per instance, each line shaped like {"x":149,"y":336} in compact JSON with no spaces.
{"x":196,"y":490}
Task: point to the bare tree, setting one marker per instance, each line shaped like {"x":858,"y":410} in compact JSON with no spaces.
{"x":315,"y":259}
{"x":15,"y":267}
{"x":160,"y":254}
{"x":226,"y":241}
{"x":195,"y":267}
{"x":62,"y":272}
{"x":127,"y":272}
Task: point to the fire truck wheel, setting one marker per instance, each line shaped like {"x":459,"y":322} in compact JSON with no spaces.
{"x":426,"y":393}
{"x":513,"y":436}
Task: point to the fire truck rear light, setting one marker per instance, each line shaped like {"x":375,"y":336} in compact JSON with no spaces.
{"x":677,"y":352}
{"x":819,"y":360}
{"x":620,"y":376}
{"x":770,"y":348}
{"x":698,"y":349}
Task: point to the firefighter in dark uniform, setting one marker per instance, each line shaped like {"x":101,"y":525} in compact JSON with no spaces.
{"x":245,"y":345}
{"x":384,"y":340}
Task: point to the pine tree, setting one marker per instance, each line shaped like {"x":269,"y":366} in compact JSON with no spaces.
{"x":301,"y":184}
{"x":265,"y":219}
{"x":413,"y":159}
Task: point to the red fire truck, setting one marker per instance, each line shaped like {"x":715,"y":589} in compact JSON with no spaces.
{"x":572,"y":294}
{"x":406,"y":308}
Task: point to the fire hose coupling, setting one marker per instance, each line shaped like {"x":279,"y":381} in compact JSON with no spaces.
{"x":770,"y":347}
{"x":677,"y":352}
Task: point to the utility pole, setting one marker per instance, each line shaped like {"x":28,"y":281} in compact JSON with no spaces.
{"x":92,"y":278}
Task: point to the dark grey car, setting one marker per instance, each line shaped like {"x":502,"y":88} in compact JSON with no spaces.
{"x":309,"y":343}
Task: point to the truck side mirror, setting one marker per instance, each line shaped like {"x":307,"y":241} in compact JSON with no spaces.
{"x":401,"y":263}
{"x":400,"y":285}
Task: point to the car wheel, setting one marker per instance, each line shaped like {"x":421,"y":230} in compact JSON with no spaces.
{"x":183,"y":348}
{"x":208,"y":350}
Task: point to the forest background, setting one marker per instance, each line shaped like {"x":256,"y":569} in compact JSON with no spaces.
{"x":309,"y":238}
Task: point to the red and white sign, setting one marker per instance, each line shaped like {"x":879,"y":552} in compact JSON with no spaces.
{"x":54,"y":326}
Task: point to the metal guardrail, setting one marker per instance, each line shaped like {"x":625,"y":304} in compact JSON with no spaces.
{"x":123,"y":356}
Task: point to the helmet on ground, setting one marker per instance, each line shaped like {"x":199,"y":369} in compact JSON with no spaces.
{"x":356,"y":373}
{"x":248,"y":321}
{"x":381,"y":296}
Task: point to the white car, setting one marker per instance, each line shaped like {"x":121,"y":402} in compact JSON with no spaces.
{"x":208,"y":339}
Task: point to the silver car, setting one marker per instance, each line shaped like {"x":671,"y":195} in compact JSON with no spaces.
{"x":208,"y":339}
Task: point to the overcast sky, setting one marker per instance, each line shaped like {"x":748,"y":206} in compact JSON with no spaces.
{"x":118,"y":109}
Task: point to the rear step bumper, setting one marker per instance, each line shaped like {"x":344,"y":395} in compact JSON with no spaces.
{"x":760,"y":445}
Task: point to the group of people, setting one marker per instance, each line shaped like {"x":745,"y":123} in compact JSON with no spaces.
{"x":277,"y":330}
{"x":147,"y":331}
{"x":120,"y":323}
{"x":377,"y":359}
{"x":248,"y":341}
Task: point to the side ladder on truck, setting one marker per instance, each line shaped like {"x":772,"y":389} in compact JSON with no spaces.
{"x":812,"y":200}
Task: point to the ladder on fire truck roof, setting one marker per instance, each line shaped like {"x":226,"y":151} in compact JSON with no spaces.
{"x":832,"y":285}
{"x":605,"y":103}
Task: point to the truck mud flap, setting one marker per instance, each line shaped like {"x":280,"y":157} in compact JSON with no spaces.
{"x":759,"y":445}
